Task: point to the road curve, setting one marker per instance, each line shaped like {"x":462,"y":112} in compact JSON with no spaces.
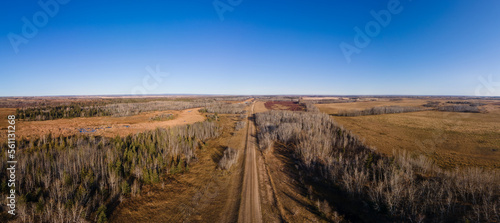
{"x":250,"y":201}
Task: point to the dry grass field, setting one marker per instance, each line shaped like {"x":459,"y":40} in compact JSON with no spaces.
{"x":260,"y":107}
{"x":450,"y":138}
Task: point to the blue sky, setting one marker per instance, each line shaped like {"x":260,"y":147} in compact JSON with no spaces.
{"x":261,"y":47}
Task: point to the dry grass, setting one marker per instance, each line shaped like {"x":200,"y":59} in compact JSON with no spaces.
{"x":260,"y":107}
{"x":451,"y":139}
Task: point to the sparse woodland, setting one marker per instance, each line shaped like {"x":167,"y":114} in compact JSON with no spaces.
{"x":459,"y":108}
{"x":77,"y":178}
{"x":127,"y":109}
{"x":456,"y":106}
{"x":402,"y":188}
{"x":226,"y":108}
{"x":310,"y":107}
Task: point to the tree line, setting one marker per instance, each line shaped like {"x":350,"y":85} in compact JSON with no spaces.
{"x":226,"y":108}
{"x":76,"y":178}
{"x":459,"y":108}
{"x":401,"y":188}
{"x":378,"y":111}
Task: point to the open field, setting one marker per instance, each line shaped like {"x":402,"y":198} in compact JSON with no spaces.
{"x":105,"y":126}
{"x":260,"y":107}
{"x":450,"y":138}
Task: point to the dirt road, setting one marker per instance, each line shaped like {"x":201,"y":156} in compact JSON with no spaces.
{"x":250,"y":210}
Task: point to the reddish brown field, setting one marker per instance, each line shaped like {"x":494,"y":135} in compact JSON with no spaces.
{"x":284,"y":105}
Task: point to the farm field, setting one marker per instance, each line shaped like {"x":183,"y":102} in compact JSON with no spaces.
{"x":450,"y":138}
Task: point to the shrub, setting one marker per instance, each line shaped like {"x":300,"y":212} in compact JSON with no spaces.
{"x":239,"y":125}
{"x":229,"y":157}
{"x":125,"y":188}
{"x":101,"y":214}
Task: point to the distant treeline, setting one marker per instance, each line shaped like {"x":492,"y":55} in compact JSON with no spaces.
{"x":378,"y":111}
{"x":456,"y":107}
{"x":369,"y":185}
{"x":127,"y":109}
{"x":75,"y":178}
{"x":330,"y":101}
{"x":466,"y":103}
{"x":225,"y":108}
{"x":459,"y":108}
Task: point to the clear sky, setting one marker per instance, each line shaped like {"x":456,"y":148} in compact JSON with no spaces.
{"x":427,"y":47}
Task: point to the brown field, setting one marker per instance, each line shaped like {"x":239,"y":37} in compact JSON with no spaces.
{"x":284,"y":105}
{"x":106,"y":125}
{"x":450,"y":138}
{"x":260,"y":107}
